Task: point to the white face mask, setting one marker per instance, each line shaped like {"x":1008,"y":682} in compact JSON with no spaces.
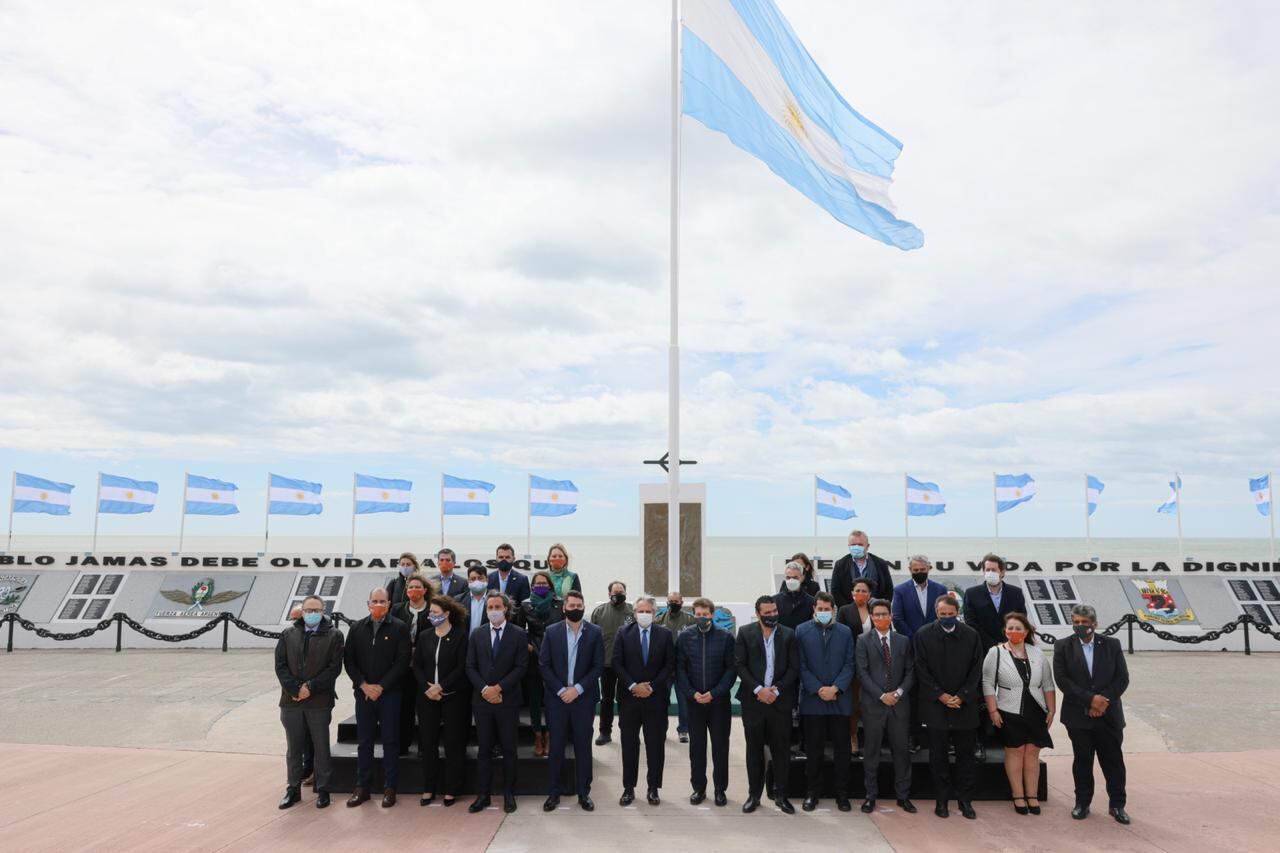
{"x":496,"y":617}
{"x":992,"y":578}
{"x":793,"y":584}
{"x":644,"y":620}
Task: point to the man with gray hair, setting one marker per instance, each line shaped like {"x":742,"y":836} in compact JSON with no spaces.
{"x":859,"y":563}
{"x":795,"y":606}
{"x":308,"y":661}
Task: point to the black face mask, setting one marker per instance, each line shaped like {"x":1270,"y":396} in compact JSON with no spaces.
{"x":504,"y":566}
{"x":704,"y":623}
{"x":574,"y":615}
{"x":1082,"y":631}
{"x":919,"y":577}
{"x":618,"y":599}
{"x":674,"y":606}
{"x":769,"y":621}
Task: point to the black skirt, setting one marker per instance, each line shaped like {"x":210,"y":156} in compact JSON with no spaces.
{"x":1032,"y":725}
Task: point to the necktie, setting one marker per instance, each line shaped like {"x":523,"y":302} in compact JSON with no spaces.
{"x":497,"y":639}
{"x":644,"y":646}
{"x":888,"y":664}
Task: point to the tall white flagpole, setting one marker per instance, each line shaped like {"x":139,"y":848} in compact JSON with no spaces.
{"x":1088,"y":536}
{"x":182,"y":525}
{"x":673,"y":352}
{"x":528,"y":517}
{"x":97,"y":505}
{"x":995,"y":507}
{"x":1177,"y":500}
{"x":442,"y":510}
{"x":13,"y":491}
{"x":266,"y":535}
{"x":353,"y":513}
{"x":815,"y":515}
{"x":1271,"y":513}
{"x":906,"y":522}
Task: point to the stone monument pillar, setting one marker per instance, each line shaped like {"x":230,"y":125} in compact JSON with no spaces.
{"x":653,"y":536}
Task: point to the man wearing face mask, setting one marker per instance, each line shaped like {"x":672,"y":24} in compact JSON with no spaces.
{"x":571,"y":659}
{"x":795,"y":606}
{"x":609,"y":618}
{"x":675,"y":619}
{"x":477,"y":587}
{"x":506,"y":578}
{"x":308,"y":660}
{"x":1092,"y":676}
{"x":948,"y":667}
{"x":826,"y":675}
{"x":705,"y":673}
{"x":767,"y":660}
{"x":887,"y":672}
{"x":644,"y":659}
{"x":448,"y":581}
{"x":859,"y":563}
{"x":377,"y":657}
{"x":408,"y":564}
{"x":988,"y":603}
{"x":497,"y":658}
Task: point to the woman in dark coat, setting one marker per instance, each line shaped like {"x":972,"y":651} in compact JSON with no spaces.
{"x":534,"y":614}
{"x":443,"y":698}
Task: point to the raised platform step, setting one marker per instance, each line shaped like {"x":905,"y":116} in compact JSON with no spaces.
{"x":532,"y":773}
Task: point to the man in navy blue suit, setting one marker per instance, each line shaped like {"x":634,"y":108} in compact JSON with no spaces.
{"x":913,"y":609}
{"x":497,"y":657}
{"x":506,"y":579}
{"x":644,"y":661}
{"x":571,"y":660}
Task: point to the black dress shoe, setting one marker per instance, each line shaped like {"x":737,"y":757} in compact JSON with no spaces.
{"x":426,"y":801}
{"x":291,"y":796}
{"x":967,"y":812}
{"x":907,"y":806}
{"x":322,"y":800}
{"x":585,"y":803}
{"x":784,"y":805}
{"x":552,"y":803}
{"x":448,"y":801}
{"x":751,"y":804}
{"x":697,"y":797}
{"x":941,"y":810}
{"x":479,"y":804}
{"x":509,"y":803}
{"x":721,"y":800}
{"x":868,"y":806}
{"x":842,"y":803}
{"x":358,"y":796}
{"x":1120,"y":815}
{"x":809,"y":804}
{"x":388,"y":798}
{"x":684,"y":737}
{"x":628,"y":797}
{"x":604,"y":738}
{"x":652,"y":797}
{"x":1080,"y":812}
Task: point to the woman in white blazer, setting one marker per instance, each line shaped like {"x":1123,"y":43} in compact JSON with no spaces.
{"x":1017,"y":683}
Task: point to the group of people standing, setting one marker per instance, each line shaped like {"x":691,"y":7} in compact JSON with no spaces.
{"x":864,"y":666}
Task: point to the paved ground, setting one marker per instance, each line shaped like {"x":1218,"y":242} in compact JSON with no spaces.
{"x":181,"y":750}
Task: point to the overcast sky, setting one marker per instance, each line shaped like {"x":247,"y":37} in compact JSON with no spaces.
{"x":414,"y":237}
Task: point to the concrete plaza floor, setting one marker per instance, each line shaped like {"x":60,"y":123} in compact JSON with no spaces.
{"x":182,"y":750}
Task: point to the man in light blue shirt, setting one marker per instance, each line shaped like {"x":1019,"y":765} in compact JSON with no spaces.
{"x":571,"y":660}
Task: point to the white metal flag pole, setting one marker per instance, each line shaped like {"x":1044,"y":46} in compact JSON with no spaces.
{"x":13,"y":491}
{"x":1177,"y":504}
{"x":995,"y":505}
{"x":97,"y":505}
{"x":1088,"y":536}
{"x":906,"y":521}
{"x":528,"y":517}
{"x":1271,"y":513}
{"x":815,"y":516}
{"x":182,"y":525}
{"x":353,"y":514}
{"x":673,"y":353}
{"x":266,"y":535}
{"x":442,"y":510}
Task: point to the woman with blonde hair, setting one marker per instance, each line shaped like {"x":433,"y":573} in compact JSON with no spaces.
{"x":558,"y":565}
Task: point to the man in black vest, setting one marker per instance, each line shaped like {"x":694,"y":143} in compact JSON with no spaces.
{"x":308,"y":660}
{"x":497,"y":658}
{"x":377,"y":657}
{"x":860,"y":563}
{"x":767,"y":660}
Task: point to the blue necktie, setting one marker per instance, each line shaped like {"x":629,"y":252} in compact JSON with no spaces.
{"x":644,"y":646}
{"x":497,"y":638}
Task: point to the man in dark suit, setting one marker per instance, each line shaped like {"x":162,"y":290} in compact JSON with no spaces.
{"x":308,"y":660}
{"x":767,"y":659}
{"x":506,"y":579}
{"x":644,"y":662}
{"x":887,"y":672}
{"x":987,"y":603}
{"x":449,"y":581}
{"x":948,"y":667}
{"x":571,"y":660}
{"x":859,"y":563}
{"x":497,"y":658}
{"x":1092,"y":676}
{"x":376,"y":658}
{"x":913,"y":600}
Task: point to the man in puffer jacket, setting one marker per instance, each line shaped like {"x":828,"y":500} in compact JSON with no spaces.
{"x":705,"y":674}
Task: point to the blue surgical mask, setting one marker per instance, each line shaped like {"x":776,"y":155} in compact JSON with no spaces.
{"x":948,"y":621}
{"x":857,"y":551}
{"x":437,"y":619}
{"x":405,"y":571}
{"x":822,"y":617}
{"x":311,"y":620}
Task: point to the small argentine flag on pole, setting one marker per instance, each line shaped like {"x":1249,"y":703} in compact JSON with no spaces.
{"x":1092,"y":492}
{"x":376,"y":494}
{"x":1261,"y":489}
{"x":287,"y":496}
{"x":1012,"y":490}
{"x":122,"y":496}
{"x":831,"y":500}
{"x":206,"y":496}
{"x":464,"y":497}
{"x":548,"y":499}
{"x":1174,"y":506}
{"x":924,"y":498}
{"x":36,"y":494}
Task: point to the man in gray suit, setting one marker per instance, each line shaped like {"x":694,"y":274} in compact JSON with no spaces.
{"x":886,"y":671}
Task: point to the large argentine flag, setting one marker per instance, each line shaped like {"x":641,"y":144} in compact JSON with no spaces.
{"x":1260,"y":486}
{"x":36,"y":494}
{"x":745,"y":74}
{"x":294,"y":497}
{"x":206,"y":496}
{"x":832,"y":501}
{"x":1093,"y":491}
{"x":1171,"y":506}
{"x":375,"y":494}
{"x":924,"y":498}
{"x":1013,"y":489}
{"x":552,"y":497}
{"x":123,"y":496}
{"x":464,"y":497}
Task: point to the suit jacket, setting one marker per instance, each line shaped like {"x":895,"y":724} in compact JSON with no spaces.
{"x":553,"y":662}
{"x":981,"y":614}
{"x":507,"y":670}
{"x":844,"y":573}
{"x":452,"y":673}
{"x":948,"y":663}
{"x":1077,"y":688}
{"x":907,"y":615}
{"x":826,"y":658}
{"x":456,"y":588}
{"x":850,"y":618}
{"x":629,"y":666}
{"x":869,"y":660}
{"x":750,"y":662}
{"x":380,"y":657}
{"x":517,"y":585}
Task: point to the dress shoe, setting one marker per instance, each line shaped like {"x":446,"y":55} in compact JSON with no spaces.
{"x":857,"y":754}
{"x":291,"y":796}
{"x":388,"y":798}
{"x":1120,"y":815}
{"x":552,"y":803}
{"x":358,"y":796}
{"x":721,"y":800}
{"x":585,"y":803}
{"x":322,"y":800}
{"x":696,"y":798}
{"x":1021,"y":809}
{"x":509,"y":803}
{"x":750,"y":805}
{"x":941,"y":810}
{"x":810,"y":803}
{"x":907,"y":806}
{"x":684,"y":737}
{"x":868,"y":806}
{"x":967,"y":812}
{"x":784,"y":805}
{"x":842,"y":803}
{"x":628,"y":797}
{"x":1080,"y":812}
{"x":479,"y":804}
{"x":604,"y":738}
{"x":652,"y":797}
{"x":1035,"y":810}
{"x":427,"y":800}
{"x":448,"y":801}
